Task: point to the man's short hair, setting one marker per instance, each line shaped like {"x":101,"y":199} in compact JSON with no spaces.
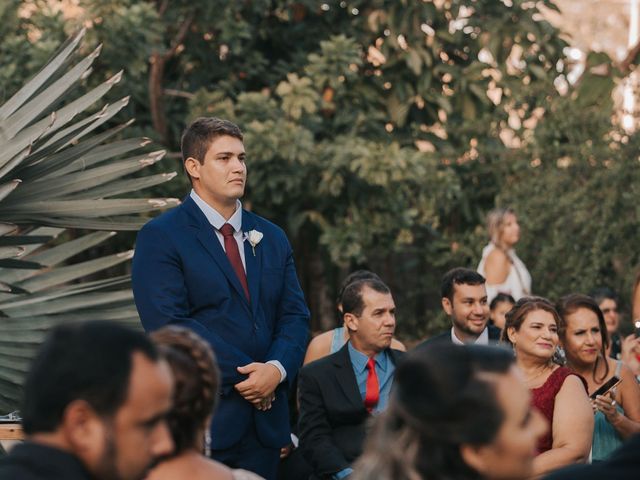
{"x":352,"y":301}
{"x":459,"y":276}
{"x":198,"y":136}
{"x":91,"y":361}
{"x":353,"y":277}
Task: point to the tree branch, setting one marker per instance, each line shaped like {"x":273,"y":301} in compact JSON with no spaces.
{"x":179,"y":37}
{"x":625,"y":65}
{"x":156,"y":76}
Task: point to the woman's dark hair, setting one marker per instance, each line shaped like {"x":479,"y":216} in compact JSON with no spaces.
{"x":601,"y":294}
{"x":523,"y":307}
{"x":572,"y":303}
{"x":444,"y":397}
{"x":197,"y":379}
{"x":500,"y":298}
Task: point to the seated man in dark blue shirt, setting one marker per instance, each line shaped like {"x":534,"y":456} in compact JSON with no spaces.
{"x":339,"y":393}
{"x":94,"y":407}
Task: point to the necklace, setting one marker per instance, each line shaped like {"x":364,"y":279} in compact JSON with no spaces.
{"x":530,"y":380}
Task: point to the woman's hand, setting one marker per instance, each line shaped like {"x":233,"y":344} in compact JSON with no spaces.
{"x":608,"y":406}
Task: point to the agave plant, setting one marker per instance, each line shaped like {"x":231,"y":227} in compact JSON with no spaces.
{"x":58,"y":170}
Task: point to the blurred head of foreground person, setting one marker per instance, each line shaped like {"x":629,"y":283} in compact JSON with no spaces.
{"x":459,"y":412}
{"x":197,"y":379}
{"x":95,"y":406}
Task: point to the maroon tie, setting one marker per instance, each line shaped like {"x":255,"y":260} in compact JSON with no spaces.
{"x":372,"y":394}
{"x":231,"y":249}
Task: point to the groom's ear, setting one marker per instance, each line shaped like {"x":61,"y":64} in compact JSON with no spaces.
{"x":192,"y":166}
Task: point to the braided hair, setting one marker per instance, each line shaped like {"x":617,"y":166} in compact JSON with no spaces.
{"x":197,"y":379}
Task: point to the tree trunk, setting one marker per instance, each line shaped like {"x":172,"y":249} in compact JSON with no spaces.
{"x":156,"y":103}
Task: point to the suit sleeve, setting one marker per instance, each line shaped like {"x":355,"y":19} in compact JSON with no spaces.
{"x":160,"y":294}
{"x":316,"y":438}
{"x":292,"y":327}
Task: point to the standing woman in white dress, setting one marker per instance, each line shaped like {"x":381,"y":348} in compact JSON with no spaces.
{"x":503,"y":270}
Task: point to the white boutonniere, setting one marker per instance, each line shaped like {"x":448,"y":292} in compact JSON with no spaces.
{"x":254,"y":237}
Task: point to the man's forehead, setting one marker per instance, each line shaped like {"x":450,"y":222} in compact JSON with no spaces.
{"x":225,"y":143}
{"x":374,"y":299}
{"x":150,"y":383}
{"x":465,"y":290}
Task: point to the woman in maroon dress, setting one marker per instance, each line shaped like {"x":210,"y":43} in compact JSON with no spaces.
{"x":532,"y":329}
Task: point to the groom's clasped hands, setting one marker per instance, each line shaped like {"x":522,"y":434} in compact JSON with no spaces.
{"x":260,"y":385}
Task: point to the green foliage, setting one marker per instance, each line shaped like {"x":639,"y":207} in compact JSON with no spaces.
{"x":376,"y":129}
{"x":575,"y":187}
{"x":56,"y":171}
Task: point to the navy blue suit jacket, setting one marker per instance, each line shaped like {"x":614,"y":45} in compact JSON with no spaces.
{"x":182,"y":276}
{"x":333,"y":420}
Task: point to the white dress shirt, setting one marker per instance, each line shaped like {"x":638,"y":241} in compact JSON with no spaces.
{"x":217,"y":221}
{"x":483,"y":338}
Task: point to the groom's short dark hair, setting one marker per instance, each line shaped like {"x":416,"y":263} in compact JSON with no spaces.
{"x":459,"y":276}
{"x":197,"y":137}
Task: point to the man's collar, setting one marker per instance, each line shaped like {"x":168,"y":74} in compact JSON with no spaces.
{"x":214,"y":217}
{"x":483,"y":338}
{"x":359,"y":360}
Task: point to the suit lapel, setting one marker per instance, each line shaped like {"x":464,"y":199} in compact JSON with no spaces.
{"x":253,"y":261}
{"x":346,"y":378}
{"x":207,"y":237}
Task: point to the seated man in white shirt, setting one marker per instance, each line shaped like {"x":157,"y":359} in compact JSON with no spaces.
{"x":464,"y":299}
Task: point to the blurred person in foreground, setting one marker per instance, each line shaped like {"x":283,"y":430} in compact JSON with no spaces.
{"x":624,"y":464}
{"x":464,"y":299}
{"x":631,"y":344}
{"x":94,"y":407}
{"x":583,"y":333}
{"x":339,"y":393}
{"x":330,"y":342}
{"x":635,"y":298}
{"x":455,"y":413}
{"x":498,"y":308}
{"x":197,"y":380}
{"x":559,"y":393}
{"x":503,"y":269}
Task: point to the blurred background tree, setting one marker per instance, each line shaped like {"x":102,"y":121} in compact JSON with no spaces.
{"x":379,"y":132}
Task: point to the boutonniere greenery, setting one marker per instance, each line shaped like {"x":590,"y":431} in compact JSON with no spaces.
{"x":254,"y":237}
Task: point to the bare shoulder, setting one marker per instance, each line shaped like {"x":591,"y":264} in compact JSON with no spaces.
{"x":194,"y":467}
{"x":497,"y":266}
{"x":398,"y":345}
{"x":573,"y":389}
{"x":320,"y":346}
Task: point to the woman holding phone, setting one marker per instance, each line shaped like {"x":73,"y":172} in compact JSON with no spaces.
{"x":532,"y":329}
{"x":583,"y":333}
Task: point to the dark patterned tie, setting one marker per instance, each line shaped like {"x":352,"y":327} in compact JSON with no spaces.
{"x":233,"y":254}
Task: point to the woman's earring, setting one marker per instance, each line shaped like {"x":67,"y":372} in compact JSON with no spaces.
{"x":207,"y":443}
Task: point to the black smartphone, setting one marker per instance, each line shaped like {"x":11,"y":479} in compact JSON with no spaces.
{"x":637,"y":330}
{"x":608,"y":385}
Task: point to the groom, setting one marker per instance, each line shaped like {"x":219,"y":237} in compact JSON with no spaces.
{"x":228,"y":274}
